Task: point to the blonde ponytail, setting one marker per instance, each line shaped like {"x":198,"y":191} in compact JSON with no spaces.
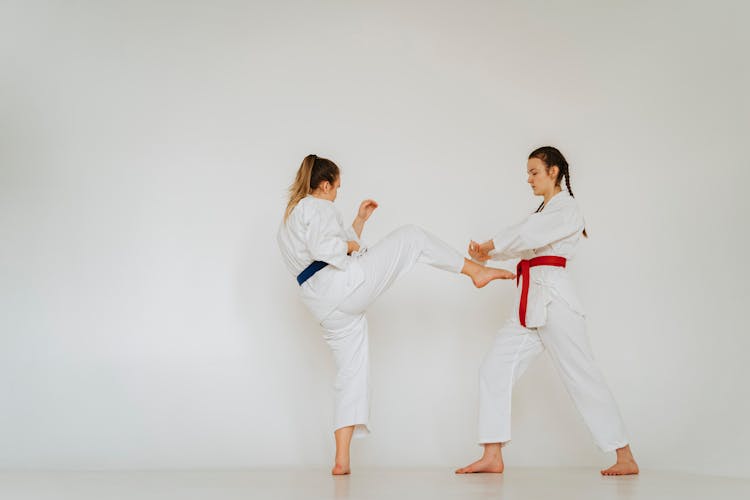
{"x":301,"y":186}
{"x":311,"y":173}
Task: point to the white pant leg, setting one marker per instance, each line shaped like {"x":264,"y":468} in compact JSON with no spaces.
{"x":513,"y":350}
{"x":346,"y":335}
{"x":346,"y":328}
{"x":564,"y":336}
{"x":395,"y":255}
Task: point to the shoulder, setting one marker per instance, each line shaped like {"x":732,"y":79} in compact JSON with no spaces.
{"x":318,"y":203}
{"x":563,"y":201}
{"x":310,"y":207}
{"x":309,"y":204}
{"x":565,"y":206}
{"x":302,"y":211}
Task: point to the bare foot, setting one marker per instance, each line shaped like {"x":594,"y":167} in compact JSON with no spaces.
{"x":343,"y":437}
{"x":621,"y":468}
{"x":340,"y":470}
{"x":484,"y":464}
{"x":487,"y":274}
{"x":625,"y":463}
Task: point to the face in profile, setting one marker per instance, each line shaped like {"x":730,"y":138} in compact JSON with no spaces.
{"x":540,"y":178}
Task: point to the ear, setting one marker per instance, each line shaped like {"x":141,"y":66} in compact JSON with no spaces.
{"x":554,"y":171}
{"x":325,"y":186}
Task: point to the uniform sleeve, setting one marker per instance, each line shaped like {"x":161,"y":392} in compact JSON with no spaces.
{"x":351,"y":234}
{"x":324,"y":238}
{"x":536,"y":231}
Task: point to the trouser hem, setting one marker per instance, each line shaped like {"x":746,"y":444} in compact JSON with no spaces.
{"x":503,"y":442}
{"x":361,"y":429}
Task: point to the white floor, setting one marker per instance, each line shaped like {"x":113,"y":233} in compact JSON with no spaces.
{"x":366,"y":483}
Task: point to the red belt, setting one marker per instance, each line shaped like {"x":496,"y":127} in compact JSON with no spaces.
{"x":522,"y":271}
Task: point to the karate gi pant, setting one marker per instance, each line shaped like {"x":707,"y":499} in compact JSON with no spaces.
{"x":564,"y":337}
{"x":346,"y":327}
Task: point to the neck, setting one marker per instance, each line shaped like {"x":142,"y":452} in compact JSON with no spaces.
{"x":320,"y":195}
{"x":548,"y":195}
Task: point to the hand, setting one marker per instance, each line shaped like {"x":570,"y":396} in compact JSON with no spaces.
{"x":478,"y":251}
{"x":352,"y":246}
{"x":366,"y":208}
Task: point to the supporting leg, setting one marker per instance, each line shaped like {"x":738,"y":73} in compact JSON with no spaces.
{"x":343,"y":438}
{"x":514,"y":349}
{"x":565,"y":337}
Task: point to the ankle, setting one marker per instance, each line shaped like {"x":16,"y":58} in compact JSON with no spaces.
{"x":625,"y":455}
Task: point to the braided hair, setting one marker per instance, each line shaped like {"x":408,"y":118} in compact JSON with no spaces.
{"x":553,"y":157}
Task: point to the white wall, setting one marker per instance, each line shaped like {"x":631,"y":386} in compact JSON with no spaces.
{"x":147,"y":320}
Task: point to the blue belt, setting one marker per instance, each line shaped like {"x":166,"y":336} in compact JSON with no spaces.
{"x":310,"y":270}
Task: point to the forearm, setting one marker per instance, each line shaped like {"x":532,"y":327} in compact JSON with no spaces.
{"x":358,"y":225}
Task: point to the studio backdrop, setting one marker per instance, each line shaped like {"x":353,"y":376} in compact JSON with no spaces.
{"x":146,"y":317}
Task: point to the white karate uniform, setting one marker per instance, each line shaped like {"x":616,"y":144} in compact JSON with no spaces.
{"x":555,"y":321}
{"x":338,"y":295}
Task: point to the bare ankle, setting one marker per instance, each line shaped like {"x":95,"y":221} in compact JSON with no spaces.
{"x":470,"y":268}
{"x":493,"y":451}
{"x":625,"y":454}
